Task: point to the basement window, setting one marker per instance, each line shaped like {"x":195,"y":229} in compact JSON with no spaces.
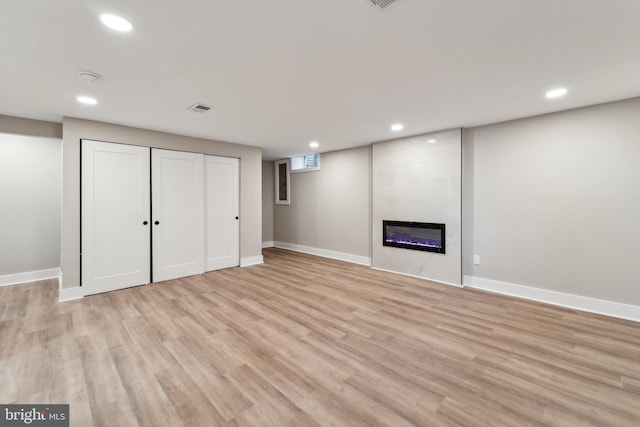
{"x":310,"y":162}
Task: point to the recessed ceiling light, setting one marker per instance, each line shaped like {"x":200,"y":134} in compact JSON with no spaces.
{"x":556,"y":93}
{"x":314,"y":144}
{"x":431,"y":141}
{"x":86,"y":100}
{"x":397,"y":127}
{"x":116,"y":22}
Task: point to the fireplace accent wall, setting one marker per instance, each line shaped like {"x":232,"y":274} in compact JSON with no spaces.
{"x":421,"y":236}
{"x":418,"y":179}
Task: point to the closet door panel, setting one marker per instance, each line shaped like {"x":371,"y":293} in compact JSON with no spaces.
{"x":222,"y":211}
{"x":115,"y":206}
{"x":178,"y":214}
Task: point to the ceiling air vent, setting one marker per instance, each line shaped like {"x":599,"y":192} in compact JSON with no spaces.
{"x":383,"y":3}
{"x":199,"y":108}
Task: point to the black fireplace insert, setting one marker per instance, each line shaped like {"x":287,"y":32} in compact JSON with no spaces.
{"x":421,"y":236}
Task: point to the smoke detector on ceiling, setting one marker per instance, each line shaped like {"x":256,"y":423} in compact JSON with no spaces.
{"x":199,"y":108}
{"x":89,"y":76}
{"x":383,"y":3}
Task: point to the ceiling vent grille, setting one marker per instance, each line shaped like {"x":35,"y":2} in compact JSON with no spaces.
{"x":383,"y":3}
{"x":199,"y":108}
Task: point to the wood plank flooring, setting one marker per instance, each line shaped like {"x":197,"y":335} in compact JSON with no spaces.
{"x":308,"y":341}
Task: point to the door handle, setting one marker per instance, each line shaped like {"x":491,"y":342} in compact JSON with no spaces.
{"x":236,"y":217}
{"x":145,"y":223}
{"x":157,"y":222}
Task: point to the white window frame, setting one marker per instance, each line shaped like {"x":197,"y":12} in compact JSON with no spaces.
{"x":306,"y":169}
{"x":276,"y":168}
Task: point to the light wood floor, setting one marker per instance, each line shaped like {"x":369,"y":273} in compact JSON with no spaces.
{"x":307,"y":341}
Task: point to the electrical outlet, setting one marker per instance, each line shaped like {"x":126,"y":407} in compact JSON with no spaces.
{"x":476,"y":259}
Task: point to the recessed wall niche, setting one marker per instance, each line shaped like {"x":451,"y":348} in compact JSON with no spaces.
{"x":282,"y":180}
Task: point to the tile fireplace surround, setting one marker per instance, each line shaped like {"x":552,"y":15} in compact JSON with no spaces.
{"x":418,"y":179}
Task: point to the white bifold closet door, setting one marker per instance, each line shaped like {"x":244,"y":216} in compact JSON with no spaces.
{"x":115,"y":212}
{"x":177,"y":214}
{"x":155,"y":215}
{"x":222,"y":209}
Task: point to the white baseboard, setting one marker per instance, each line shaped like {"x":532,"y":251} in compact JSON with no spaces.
{"x":592,"y":305}
{"x":69,"y":294}
{"x":29,"y":276}
{"x":457,"y":285}
{"x":268,"y":244}
{"x":356,"y":259}
{"x":252,"y":260}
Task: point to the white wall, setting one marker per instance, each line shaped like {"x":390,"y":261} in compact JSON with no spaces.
{"x":415,"y":180}
{"x":76,"y":129}
{"x":553,"y":202}
{"x":330,"y":208}
{"x":30,"y":194}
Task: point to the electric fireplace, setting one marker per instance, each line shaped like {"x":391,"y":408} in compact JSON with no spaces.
{"x":421,"y":236}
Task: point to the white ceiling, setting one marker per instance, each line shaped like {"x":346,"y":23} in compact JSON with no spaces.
{"x":282,"y":73}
